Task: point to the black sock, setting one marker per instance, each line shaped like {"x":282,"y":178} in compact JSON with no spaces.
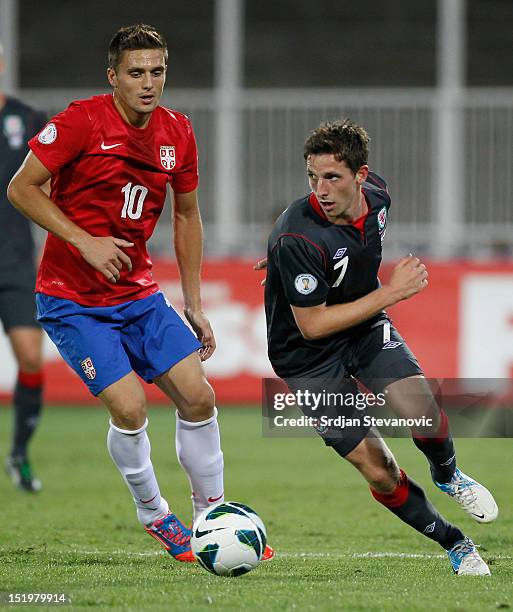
{"x":439,"y":451}
{"x":27,"y":408}
{"x":410,"y":504}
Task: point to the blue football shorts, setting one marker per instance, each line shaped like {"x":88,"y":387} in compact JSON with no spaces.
{"x":104,"y":343}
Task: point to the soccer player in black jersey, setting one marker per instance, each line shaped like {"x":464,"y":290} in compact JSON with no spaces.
{"x":326,"y":323}
{"x":18,"y":123}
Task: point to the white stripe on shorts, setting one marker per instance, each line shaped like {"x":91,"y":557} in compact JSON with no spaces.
{"x":386,"y":332}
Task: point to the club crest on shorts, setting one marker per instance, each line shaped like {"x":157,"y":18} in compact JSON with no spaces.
{"x":305,"y":283}
{"x":167,"y":157}
{"x":88,"y":367}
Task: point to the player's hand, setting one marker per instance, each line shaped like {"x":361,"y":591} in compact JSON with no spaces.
{"x":201,"y":326}
{"x":105,"y":255}
{"x":261,"y":265}
{"x":409,"y":277}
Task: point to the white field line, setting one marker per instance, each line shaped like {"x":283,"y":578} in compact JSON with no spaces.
{"x":291,"y":555}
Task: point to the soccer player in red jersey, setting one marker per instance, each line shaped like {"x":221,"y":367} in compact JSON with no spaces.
{"x":110,"y":159}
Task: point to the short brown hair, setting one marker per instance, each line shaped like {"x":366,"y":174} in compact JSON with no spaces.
{"x":344,"y":139}
{"x":132,"y":38}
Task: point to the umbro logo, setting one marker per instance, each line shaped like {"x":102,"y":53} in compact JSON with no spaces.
{"x":430,"y":528}
{"x":339,"y":253}
{"x":449,"y":461}
{"x":107,"y":147}
{"x":392,"y":344}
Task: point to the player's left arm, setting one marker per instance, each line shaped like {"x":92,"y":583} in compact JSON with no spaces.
{"x":188,"y":240}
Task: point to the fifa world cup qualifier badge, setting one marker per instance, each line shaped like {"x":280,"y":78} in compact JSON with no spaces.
{"x":305,"y":283}
{"x":88,"y":367}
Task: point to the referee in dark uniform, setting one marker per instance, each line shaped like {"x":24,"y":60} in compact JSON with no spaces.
{"x":327,"y":329}
{"x":18,"y":123}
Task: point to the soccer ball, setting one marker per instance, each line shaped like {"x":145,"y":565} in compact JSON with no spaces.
{"x":228,"y":539}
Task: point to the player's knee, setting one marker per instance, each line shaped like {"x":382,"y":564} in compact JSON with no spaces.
{"x":130,"y":416}
{"x":382,"y":481}
{"x":201,"y":405}
{"x":431,"y":423}
{"x":384,"y":478}
{"x":129,"y":421}
{"x":30,"y":362}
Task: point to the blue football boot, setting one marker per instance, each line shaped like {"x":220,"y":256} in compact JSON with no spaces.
{"x":174,"y":536}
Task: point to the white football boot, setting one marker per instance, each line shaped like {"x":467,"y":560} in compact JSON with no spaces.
{"x":466,"y":561}
{"x":475,"y":499}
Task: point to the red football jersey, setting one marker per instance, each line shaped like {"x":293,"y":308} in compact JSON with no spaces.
{"x":110,"y":179}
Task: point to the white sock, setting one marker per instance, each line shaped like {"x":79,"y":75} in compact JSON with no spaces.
{"x":198,"y":448}
{"x":130,"y":451}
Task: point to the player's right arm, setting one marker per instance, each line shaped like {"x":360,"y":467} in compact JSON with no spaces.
{"x":26,"y":193}
{"x":317,"y":322}
{"x":300,"y":260}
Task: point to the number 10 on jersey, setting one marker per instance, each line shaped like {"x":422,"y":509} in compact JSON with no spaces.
{"x":132,"y":208}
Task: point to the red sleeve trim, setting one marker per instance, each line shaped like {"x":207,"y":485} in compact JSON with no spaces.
{"x":309,"y":241}
{"x":378,"y":181}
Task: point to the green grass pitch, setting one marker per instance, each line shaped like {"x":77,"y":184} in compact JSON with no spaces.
{"x":337,"y":549}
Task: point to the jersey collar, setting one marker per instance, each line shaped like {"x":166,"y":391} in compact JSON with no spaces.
{"x":358,"y":223}
{"x":314,"y":203}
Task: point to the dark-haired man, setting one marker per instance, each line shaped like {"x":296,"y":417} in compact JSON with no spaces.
{"x":327,"y":329}
{"x":18,"y":123}
{"x":110,"y":159}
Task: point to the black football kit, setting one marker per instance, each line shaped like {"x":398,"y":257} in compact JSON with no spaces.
{"x":18,"y":123}
{"x":311,"y":261}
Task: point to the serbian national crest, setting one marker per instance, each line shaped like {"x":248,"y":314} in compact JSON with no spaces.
{"x":88,"y":367}
{"x":167,"y":157}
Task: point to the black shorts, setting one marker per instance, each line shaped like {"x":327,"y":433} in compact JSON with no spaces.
{"x":380,"y":357}
{"x":17,"y":302}
{"x":374,"y":359}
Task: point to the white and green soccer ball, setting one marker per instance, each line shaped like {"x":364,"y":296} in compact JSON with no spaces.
{"x":228,"y":539}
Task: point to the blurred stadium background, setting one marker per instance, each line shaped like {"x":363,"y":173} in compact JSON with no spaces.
{"x":432,"y":82}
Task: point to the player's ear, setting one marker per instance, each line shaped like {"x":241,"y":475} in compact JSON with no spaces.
{"x":362,"y":173}
{"x":111,"y":76}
